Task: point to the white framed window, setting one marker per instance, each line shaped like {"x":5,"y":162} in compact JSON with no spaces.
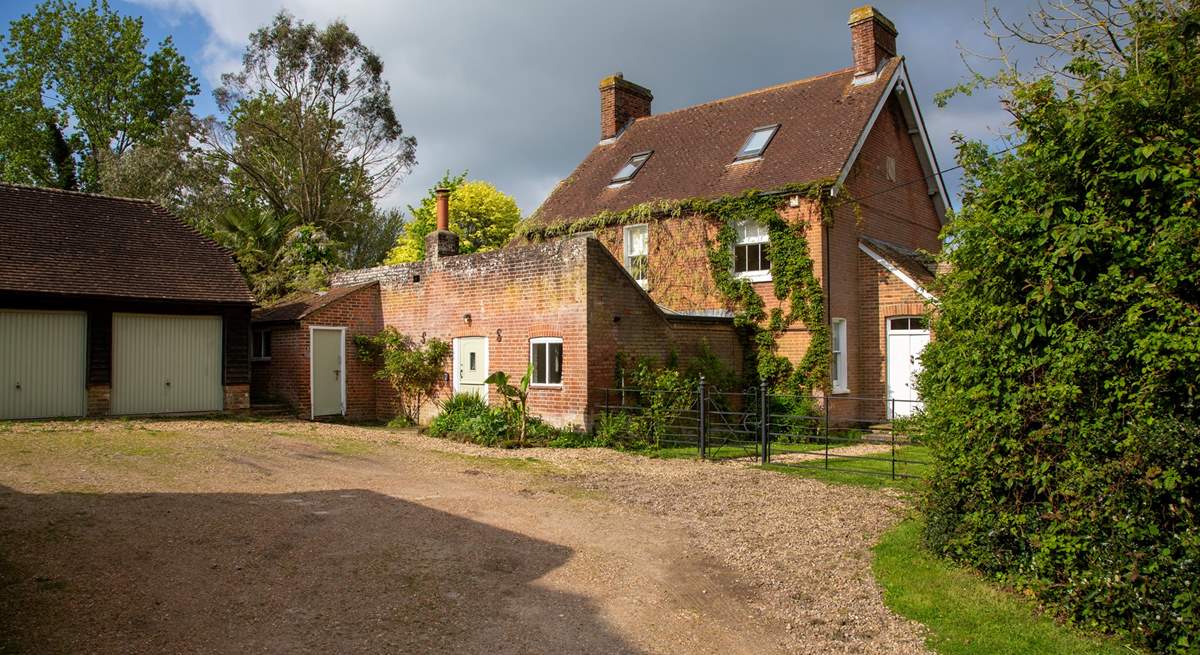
{"x":837,"y":373}
{"x":260,"y":345}
{"x":637,"y":252}
{"x":751,"y":251}
{"x":546,"y":356}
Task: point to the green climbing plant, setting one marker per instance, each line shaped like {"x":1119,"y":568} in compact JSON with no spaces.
{"x":792,"y":270}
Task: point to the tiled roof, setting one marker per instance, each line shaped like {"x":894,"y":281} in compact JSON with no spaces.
{"x":820,"y":119}
{"x":919,"y":266}
{"x":299,"y":306}
{"x":64,"y":242}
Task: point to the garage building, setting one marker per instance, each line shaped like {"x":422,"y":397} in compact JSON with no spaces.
{"x":113,"y":306}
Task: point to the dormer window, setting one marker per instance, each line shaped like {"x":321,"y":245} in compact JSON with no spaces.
{"x":757,"y":142}
{"x":631,"y":167}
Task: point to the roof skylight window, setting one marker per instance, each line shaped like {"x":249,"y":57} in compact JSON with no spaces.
{"x":631,"y":167}
{"x":758,"y":141}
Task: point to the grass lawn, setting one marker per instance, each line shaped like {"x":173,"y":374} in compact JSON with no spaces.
{"x":734,"y":450}
{"x":963,"y":612}
{"x":874,"y":473}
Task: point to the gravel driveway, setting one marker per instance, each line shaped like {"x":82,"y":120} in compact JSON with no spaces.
{"x":229,"y":536}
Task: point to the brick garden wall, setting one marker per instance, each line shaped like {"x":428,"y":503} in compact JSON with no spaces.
{"x":511,"y":296}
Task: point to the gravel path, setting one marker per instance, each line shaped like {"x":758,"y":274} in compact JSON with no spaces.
{"x":674,"y":555}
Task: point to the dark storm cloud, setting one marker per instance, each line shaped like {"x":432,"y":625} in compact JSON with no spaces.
{"x":509,"y":90}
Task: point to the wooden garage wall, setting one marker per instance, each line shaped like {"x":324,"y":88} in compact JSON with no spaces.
{"x":235,"y":362}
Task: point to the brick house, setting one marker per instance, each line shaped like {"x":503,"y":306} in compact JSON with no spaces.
{"x":113,"y":306}
{"x":568,"y":300}
{"x":857,"y":130}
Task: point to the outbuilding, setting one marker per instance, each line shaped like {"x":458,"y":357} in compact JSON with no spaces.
{"x":114,"y":306}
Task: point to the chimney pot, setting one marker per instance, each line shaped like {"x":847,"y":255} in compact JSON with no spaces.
{"x":873,"y":38}
{"x":441,"y":242}
{"x":443,"y":209}
{"x":621,"y":101}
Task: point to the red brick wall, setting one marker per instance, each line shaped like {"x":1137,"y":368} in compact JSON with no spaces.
{"x":512,"y":295}
{"x":286,"y":376}
{"x":623,"y":319}
{"x":288,"y":380}
{"x":883,"y":296}
{"x":891,"y":209}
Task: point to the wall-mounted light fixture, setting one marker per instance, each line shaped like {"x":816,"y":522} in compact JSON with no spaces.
{"x":422,"y":337}
{"x":467,"y":319}
{"x":499,"y":336}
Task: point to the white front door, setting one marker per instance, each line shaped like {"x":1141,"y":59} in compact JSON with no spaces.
{"x":328,"y":371}
{"x":906,"y":338}
{"x":471,"y":365}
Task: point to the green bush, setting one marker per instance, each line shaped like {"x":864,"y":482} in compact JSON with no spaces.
{"x":468,"y":418}
{"x":1061,"y":390}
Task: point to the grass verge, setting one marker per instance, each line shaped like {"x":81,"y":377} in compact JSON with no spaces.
{"x":964,"y":614}
{"x":873,"y":471}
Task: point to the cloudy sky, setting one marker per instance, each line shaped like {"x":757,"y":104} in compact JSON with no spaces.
{"x":508,"y":90}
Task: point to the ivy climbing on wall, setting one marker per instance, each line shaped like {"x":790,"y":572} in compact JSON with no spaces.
{"x":795,"y":283}
{"x":792,"y":270}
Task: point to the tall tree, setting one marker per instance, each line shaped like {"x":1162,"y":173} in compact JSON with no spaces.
{"x":369,"y":239}
{"x":1062,"y":396}
{"x":483,"y":217}
{"x":173,"y":170}
{"x":310,"y":126}
{"x":82,"y":72}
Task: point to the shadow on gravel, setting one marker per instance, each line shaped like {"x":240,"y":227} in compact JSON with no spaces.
{"x":347,"y":571}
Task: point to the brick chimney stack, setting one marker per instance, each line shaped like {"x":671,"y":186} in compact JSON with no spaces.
{"x":441,"y":242}
{"x":873,"y":38}
{"x":621,"y":101}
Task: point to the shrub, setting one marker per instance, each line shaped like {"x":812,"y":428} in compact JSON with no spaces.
{"x":516,"y":397}
{"x":468,"y":418}
{"x":1061,"y":390}
{"x":413,"y":370}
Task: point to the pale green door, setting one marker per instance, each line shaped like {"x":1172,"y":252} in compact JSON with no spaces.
{"x":471,"y":365}
{"x":43,"y":360}
{"x":327,"y":375}
{"x":166,"y":364}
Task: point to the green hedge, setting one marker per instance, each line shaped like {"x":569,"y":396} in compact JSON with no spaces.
{"x":1061,"y":388}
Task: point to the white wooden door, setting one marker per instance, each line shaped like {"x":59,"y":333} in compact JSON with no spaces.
{"x":907,"y":336}
{"x":166,"y":364}
{"x":471,"y":365}
{"x":43,"y":363}
{"x":328,"y":371}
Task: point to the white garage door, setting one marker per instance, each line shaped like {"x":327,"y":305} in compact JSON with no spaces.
{"x":166,"y":364}
{"x":43,"y":361}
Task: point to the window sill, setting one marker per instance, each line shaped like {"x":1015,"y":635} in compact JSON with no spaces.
{"x":260,"y":359}
{"x":756,"y":276}
{"x":546,"y":386}
{"x":840,"y":391}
